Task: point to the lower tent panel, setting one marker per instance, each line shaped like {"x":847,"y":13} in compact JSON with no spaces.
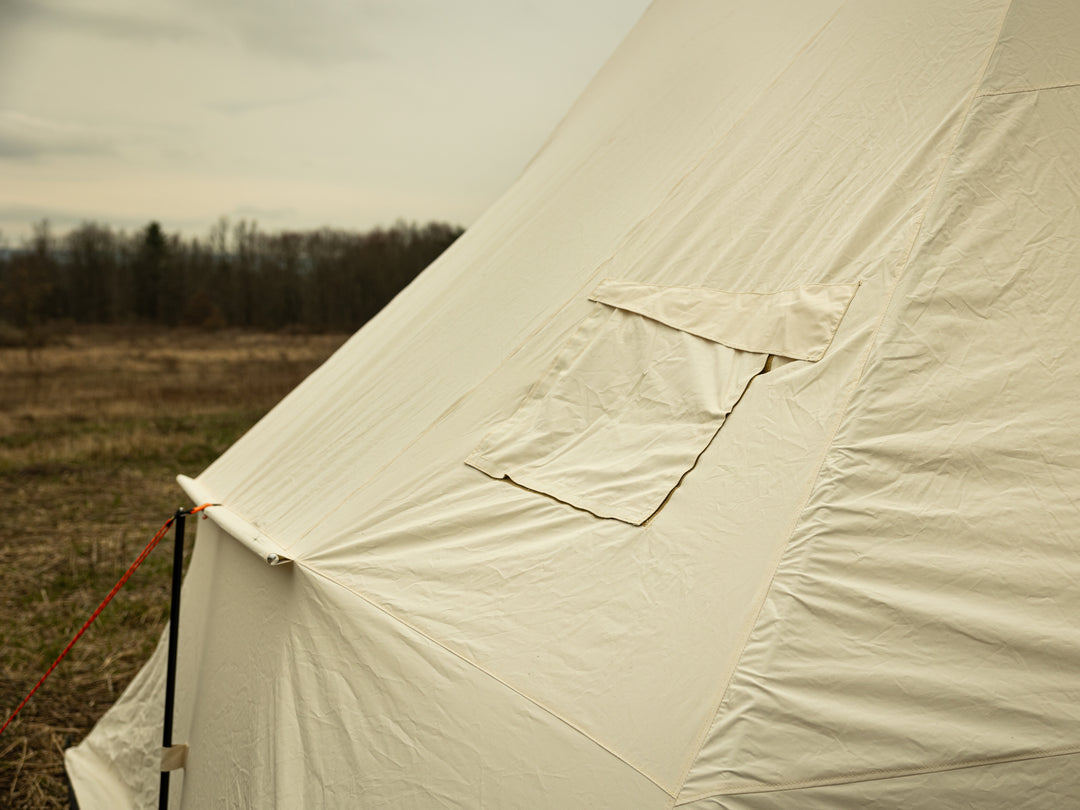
{"x":1042,"y":783}
{"x":106,"y":769}
{"x":295,"y":692}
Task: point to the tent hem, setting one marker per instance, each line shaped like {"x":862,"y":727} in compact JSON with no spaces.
{"x":1021,"y":90}
{"x":874,"y":776}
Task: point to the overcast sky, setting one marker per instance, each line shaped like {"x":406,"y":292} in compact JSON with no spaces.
{"x":297,"y":114}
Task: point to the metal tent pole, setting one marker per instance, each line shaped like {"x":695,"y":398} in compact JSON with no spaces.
{"x":174,"y":637}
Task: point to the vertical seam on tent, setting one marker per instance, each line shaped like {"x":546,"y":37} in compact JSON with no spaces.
{"x":881,"y":775}
{"x":842,"y":411}
{"x":462,"y":657}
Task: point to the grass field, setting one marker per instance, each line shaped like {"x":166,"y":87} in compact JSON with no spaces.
{"x":92,"y":435}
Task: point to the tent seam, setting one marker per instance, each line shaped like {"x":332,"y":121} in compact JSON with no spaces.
{"x":1021,"y":90}
{"x":462,"y":657}
{"x":842,"y":412}
{"x":877,"y":775}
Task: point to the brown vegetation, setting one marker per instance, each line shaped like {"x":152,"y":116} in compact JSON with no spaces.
{"x":92,"y":433}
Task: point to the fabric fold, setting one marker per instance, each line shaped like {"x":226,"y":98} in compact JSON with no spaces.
{"x":798,"y":323}
{"x":641,"y":388}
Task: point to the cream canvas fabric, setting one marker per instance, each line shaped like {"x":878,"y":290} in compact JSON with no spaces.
{"x":798,"y":323}
{"x":620,"y":417}
{"x":643,"y":385}
{"x":859,"y":586}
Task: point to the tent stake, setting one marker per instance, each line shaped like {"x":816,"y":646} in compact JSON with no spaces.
{"x":174,"y":635}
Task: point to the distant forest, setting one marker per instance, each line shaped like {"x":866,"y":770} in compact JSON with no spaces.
{"x":241,"y":277}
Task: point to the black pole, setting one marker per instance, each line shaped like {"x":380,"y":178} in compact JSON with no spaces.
{"x":174,"y":637}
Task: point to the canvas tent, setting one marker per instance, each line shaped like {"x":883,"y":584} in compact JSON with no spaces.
{"x":731,"y":460}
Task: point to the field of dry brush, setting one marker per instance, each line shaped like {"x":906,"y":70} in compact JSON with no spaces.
{"x":92,"y":434}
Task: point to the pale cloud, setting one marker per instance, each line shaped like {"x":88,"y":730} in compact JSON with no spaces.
{"x":346,"y":113}
{"x":128,"y":24}
{"x":262,"y":213}
{"x":241,"y":106}
{"x":25,"y":137}
{"x":316,"y":31}
{"x":17,"y":220}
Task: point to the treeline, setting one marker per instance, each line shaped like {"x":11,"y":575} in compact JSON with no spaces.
{"x":323,"y":280}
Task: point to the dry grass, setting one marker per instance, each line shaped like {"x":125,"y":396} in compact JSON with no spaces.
{"x":92,"y":434}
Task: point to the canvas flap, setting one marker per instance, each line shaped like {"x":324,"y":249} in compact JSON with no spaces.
{"x":797,"y":323}
{"x":643,"y":386}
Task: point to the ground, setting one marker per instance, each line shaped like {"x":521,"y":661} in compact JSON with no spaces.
{"x":93,"y":431}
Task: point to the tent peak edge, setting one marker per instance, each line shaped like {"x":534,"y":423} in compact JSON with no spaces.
{"x":249,"y":536}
